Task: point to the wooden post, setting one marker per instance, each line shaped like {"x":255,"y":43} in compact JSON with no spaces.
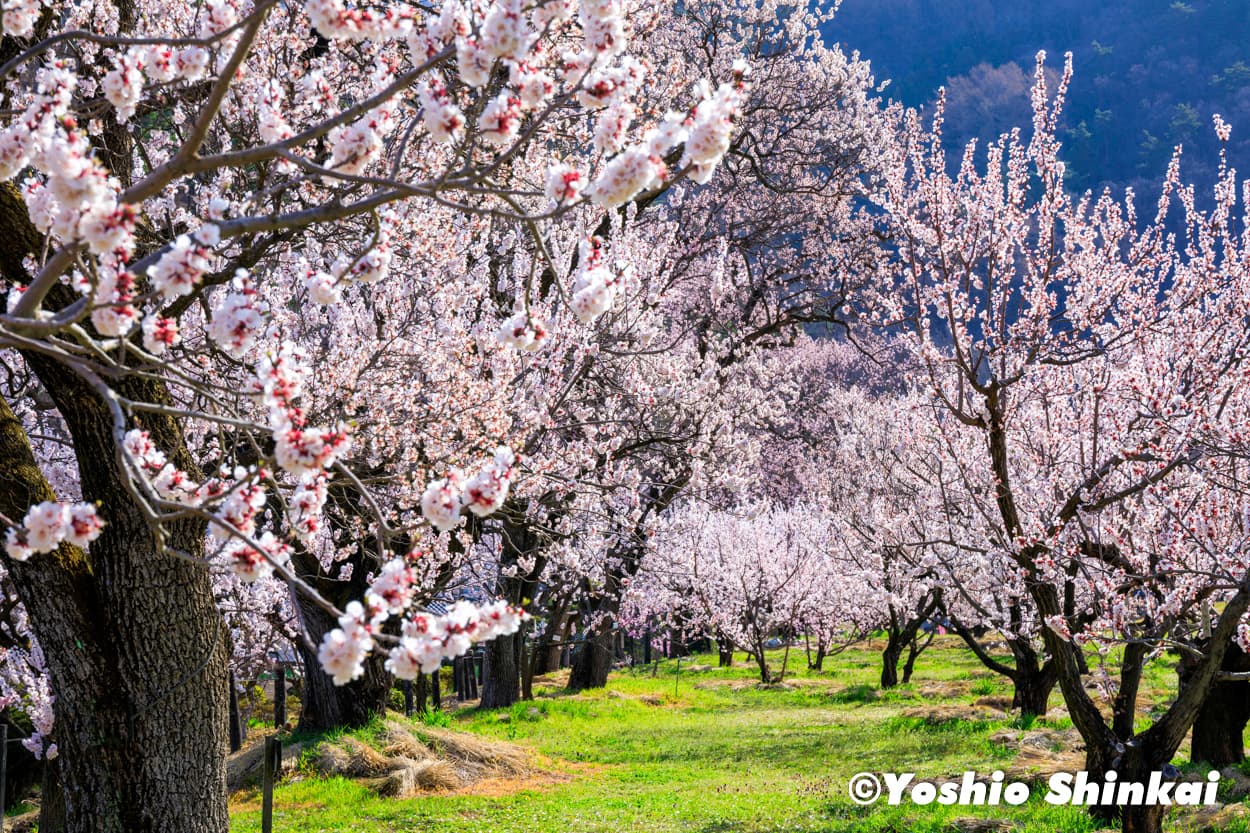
{"x":272,"y":771}
{"x":279,"y":695}
{"x":408,"y":698}
{"x":236,"y":720}
{"x":4,"y":768}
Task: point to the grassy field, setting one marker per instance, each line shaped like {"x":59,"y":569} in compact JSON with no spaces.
{"x":711,"y":751}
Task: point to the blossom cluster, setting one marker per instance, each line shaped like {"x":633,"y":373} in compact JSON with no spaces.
{"x":427,"y":638}
{"x":49,"y":523}
{"x":445,"y":498}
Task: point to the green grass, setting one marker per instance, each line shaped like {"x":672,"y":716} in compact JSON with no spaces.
{"x":711,"y":751}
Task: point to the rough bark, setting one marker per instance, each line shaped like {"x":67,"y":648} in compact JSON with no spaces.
{"x":1221,"y":722}
{"x":914,"y":649}
{"x":503,"y":662}
{"x":1152,"y":749}
{"x":889,"y":661}
{"x":501,"y":672}
{"x":901,"y":633}
{"x":325,"y":706}
{"x":1031,"y":691}
{"x":1032,"y":679}
{"x":592,"y":662}
{"x":136,"y":648}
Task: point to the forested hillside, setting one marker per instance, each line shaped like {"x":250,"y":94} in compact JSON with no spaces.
{"x":1149,"y":73}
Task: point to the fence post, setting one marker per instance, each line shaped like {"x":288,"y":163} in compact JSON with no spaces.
{"x":279,"y":695}
{"x":4,"y":768}
{"x":236,"y":723}
{"x":272,"y":771}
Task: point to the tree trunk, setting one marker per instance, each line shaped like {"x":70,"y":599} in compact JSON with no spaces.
{"x":592,"y":663}
{"x":326,"y":706}
{"x":903,"y":629}
{"x":547,"y":647}
{"x":889,"y":660}
{"x":501,"y":672}
{"x":761,"y":662}
{"x":502,"y":662}
{"x":725,"y":653}
{"x":1221,"y":722}
{"x":238,"y":731}
{"x":1032,"y":680}
{"x":1218,"y":729}
{"x":136,"y":648}
{"x":1031,"y":693}
{"x":1132,"y":765}
{"x":818,"y":664}
{"x":909,"y":665}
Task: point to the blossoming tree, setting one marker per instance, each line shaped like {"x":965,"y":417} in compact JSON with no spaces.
{"x":165,"y":165}
{"x":1098,"y":363}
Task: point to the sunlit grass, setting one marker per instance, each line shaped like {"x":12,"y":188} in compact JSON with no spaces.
{"x":666,"y":749}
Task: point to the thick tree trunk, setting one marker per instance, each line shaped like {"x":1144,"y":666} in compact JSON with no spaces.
{"x":503,"y":663}
{"x":724,"y":653}
{"x":501,"y":672}
{"x":1033,"y":680}
{"x":1132,"y":765}
{"x":1221,"y":722}
{"x":1219,"y":727}
{"x":547,"y":647}
{"x":889,"y":661}
{"x":592,"y":663}
{"x":1031,"y":693}
{"x":135,"y":645}
{"x":326,"y":706}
